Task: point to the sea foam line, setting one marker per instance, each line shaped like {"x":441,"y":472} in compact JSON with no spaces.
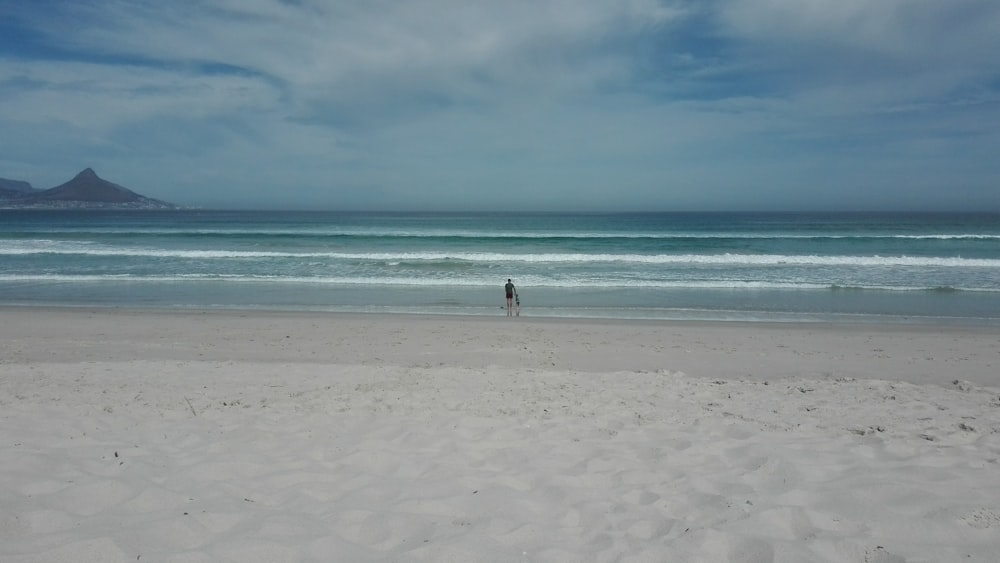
{"x":491,"y":257}
{"x":488,"y":235}
{"x":469,"y":282}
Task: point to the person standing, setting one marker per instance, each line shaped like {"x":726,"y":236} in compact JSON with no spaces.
{"x":511,"y":291}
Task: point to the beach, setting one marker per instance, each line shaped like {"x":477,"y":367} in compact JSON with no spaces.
{"x":190,"y":436}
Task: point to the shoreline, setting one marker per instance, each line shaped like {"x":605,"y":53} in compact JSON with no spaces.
{"x":915,"y":352}
{"x":971,"y":309}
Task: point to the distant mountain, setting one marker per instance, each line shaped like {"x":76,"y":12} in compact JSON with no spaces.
{"x":10,"y":189}
{"x":16,"y":186}
{"x":85,"y":191}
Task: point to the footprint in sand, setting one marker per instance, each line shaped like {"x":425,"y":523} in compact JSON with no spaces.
{"x":880,"y":555}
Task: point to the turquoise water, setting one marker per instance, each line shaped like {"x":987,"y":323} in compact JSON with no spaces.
{"x":942,"y":267}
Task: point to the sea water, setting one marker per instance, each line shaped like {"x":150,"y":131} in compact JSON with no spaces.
{"x":715,"y":266}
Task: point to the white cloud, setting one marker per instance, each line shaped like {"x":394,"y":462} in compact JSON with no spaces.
{"x":915,"y":47}
{"x":101,"y":96}
{"x":906,"y":29}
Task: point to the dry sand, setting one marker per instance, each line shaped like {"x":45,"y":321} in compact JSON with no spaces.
{"x":189,"y":437}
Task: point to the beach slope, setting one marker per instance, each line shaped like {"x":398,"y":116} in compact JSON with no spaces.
{"x":227,"y":436}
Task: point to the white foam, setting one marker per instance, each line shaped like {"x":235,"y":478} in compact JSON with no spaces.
{"x":727,"y":259}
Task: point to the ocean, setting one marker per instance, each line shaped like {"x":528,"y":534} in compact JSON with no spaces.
{"x":838,"y":267}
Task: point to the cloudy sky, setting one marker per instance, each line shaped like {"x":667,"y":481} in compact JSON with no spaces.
{"x":513,"y":105}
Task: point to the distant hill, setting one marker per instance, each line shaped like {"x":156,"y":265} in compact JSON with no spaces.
{"x":15,"y":188}
{"x":86,"y":190}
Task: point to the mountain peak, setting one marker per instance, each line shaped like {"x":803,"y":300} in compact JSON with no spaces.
{"x":87,"y":174}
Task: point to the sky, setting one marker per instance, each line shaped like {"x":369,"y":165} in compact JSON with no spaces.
{"x":583,"y":105}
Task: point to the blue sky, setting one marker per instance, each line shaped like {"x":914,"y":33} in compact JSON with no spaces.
{"x":516,"y":105}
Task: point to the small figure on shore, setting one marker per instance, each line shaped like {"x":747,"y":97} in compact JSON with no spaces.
{"x":511,"y":291}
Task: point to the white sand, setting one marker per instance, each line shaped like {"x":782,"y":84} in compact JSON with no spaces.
{"x":190,"y":437}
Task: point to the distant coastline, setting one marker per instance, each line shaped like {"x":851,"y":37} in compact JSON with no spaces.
{"x":17,"y":205}
{"x":85,"y":191}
